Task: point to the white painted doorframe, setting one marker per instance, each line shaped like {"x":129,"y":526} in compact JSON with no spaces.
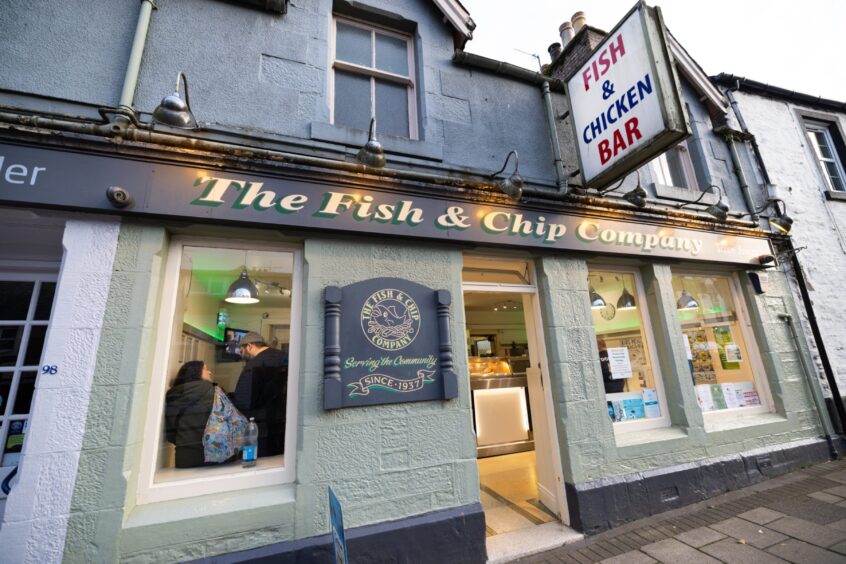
{"x":538,"y":359}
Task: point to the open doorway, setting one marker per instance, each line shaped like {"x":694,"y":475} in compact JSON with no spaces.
{"x":517,"y":448}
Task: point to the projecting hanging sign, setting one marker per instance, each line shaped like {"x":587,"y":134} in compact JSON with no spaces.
{"x":625,"y":102}
{"x":386,"y":341}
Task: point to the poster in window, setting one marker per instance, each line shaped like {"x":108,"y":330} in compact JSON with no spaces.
{"x":651,"y":408}
{"x":703,"y":370}
{"x":726,"y":347}
{"x":619,"y":362}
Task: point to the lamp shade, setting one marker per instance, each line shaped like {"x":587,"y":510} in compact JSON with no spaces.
{"x":512,"y":186}
{"x":626,"y":300}
{"x":174,"y":111}
{"x":372,"y":154}
{"x":686,"y":301}
{"x":636,"y":197}
{"x":596,"y":301}
{"x":782,"y":223}
{"x":242,"y":291}
{"x":719,"y":210}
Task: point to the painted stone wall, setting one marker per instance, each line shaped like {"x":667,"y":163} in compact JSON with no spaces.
{"x":589,"y":449}
{"x":820,"y":225}
{"x":384,"y":462}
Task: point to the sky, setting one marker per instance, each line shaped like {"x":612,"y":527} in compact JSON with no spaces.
{"x":795,"y":45}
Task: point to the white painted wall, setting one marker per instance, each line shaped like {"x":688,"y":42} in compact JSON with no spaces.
{"x":36,"y":516}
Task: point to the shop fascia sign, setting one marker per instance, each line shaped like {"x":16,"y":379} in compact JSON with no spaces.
{"x":625,"y":101}
{"x":64,"y":179}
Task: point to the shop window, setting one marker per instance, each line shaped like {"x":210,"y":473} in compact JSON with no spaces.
{"x":719,"y":355}
{"x":827,"y":148}
{"x":373,"y":76}
{"x":675,"y":168}
{"x":633,"y":389}
{"x":25,"y":305}
{"x":227,"y":354}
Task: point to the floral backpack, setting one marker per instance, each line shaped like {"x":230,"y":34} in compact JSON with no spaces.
{"x":225,"y":431}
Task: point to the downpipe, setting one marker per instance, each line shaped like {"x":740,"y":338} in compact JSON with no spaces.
{"x":553,"y":139}
{"x":133,"y":67}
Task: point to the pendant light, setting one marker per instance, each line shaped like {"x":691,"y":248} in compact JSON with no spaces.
{"x":242,"y":291}
{"x":626,"y":300}
{"x":596,"y":301}
{"x":686,"y":301}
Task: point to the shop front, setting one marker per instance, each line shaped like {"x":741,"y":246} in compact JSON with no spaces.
{"x":588,"y":368}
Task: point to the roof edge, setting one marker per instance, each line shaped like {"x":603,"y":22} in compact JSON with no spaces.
{"x":755,"y":87}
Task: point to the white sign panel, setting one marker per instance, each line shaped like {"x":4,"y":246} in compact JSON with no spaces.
{"x":625,"y":101}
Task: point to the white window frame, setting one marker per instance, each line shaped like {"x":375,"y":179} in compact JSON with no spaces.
{"x":814,"y":126}
{"x":623,"y":427}
{"x":759,"y":373}
{"x":663,"y":174}
{"x":372,"y":72}
{"x":204,"y":483}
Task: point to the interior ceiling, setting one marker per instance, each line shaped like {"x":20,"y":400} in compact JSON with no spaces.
{"x":214,"y":270}
{"x":486,"y":301}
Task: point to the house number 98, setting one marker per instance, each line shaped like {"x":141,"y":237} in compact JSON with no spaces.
{"x":49,"y":369}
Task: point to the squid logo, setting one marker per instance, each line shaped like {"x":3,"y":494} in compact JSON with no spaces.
{"x":390,"y":319}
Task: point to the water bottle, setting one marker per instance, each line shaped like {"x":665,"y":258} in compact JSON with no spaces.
{"x":248,"y":456}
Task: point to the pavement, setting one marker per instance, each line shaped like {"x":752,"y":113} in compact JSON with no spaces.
{"x":798,"y":517}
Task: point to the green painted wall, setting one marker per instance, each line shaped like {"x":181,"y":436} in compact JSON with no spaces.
{"x":384,"y":462}
{"x":589,"y":448}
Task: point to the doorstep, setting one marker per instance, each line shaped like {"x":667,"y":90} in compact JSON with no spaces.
{"x":524,"y":542}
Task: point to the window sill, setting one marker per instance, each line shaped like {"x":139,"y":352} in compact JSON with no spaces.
{"x":634,"y":438}
{"x":727,"y":420}
{"x":835,"y":195}
{"x":358,"y":137}
{"x":163,"y":512}
{"x":229,"y":469}
{"x":683,"y":194}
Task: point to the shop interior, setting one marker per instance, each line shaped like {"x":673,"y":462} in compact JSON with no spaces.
{"x":504,"y":390}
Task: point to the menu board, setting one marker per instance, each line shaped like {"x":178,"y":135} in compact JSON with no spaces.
{"x":703,"y":370}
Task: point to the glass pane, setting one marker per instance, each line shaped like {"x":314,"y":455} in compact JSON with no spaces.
{"x":631,"y":390}
{"x":352,"y":100}
{"x":23,"y":398}
{"x":674,"y":161}
{"x":45,"y":301}
{"x":10,"y":344}
{"x":37,"y":333}
{"x":834,"y":175}
{"x":5,"y":390}
{"x":353,"y":45}
{"x":14,"y":442}
{"x":822,"y":142}
{"x":716,"y":351}
{"x":392,"y":54}
{"x":391,"y":108}
{"x":14,"y":299}
{"x":206,"y":351}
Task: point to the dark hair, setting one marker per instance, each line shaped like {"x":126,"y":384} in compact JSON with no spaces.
{"x":188,"y":372}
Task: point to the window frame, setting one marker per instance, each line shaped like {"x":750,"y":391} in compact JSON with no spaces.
{"x":624,"y":427}
{"x":149,"y":491}
{"x":372,"y":72}
{"x":820,"y":126}
{"x":759,"y":372}
{"x":663,"y":173}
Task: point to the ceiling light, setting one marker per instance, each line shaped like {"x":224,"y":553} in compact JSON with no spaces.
{"x":596,"y":301}
{"x":626,"y":300}
{"x":686,"y":301}
{"x":242,"y":291}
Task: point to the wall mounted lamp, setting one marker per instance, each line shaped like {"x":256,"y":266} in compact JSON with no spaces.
{"x":780,"y":221}
{"x":173,"y":110}
{"x":513,"y":185}
{"x":719,"y":210}
{"x":636,"y":196}
{"x":372,"y":154}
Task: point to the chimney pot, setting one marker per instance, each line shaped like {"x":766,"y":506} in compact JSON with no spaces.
{"x":554,"y":51}
{"x":579,"y":20}
{"x":566,"y":32}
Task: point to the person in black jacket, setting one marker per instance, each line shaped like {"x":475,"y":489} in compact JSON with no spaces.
{"x":262,"y":391}
{"x":188,"y":404}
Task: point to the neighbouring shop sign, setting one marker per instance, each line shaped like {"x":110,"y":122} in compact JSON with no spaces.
{"x":64,"y":179}
{"x":386,"y":340}
{"x":625,"y":102}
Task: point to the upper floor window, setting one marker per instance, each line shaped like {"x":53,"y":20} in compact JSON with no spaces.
{"x":675,"y":168}
{"x":373,"y":76}
{"x":822,"y":138}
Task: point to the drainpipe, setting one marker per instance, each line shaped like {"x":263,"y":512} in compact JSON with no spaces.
{"x":553,"y":138}
{"x":816,"y":393}
{"x":741,"y":176}
{"x":133,"y":67}
{"x":755,"y":149}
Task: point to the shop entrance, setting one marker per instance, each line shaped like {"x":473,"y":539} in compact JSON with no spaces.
{"x":517,"y":446}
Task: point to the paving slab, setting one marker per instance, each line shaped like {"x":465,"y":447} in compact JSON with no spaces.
{"x":809,"y":509}
{"x":839,"y":476}
{"x":839,"y":547}
{"x":826,"y":497}
{"x":633,"y":557}
{"x":808,"y":531}
{"x":761,"y":515}
{"x":672,"y":551}
{"x":753,"y":534}
{"x":733,"y":551}
{"x":700,"y":536}
{"x":839,"y":525}
{"x":800,"y":552}
{"x":839,"y":491}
